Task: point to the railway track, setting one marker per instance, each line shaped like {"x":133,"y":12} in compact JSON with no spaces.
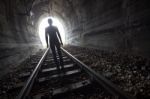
{"x":76,"y":81}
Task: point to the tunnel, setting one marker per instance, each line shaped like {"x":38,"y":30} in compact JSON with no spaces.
{"x":119,"y":26}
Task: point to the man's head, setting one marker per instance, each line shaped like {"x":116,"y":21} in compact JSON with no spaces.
{"x":50,"y":21}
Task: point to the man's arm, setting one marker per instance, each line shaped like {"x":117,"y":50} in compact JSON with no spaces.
{"x":59,"y":36}
{"x":46,"y":37}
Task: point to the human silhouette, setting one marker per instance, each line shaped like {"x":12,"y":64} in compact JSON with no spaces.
{"x":55,"y":42}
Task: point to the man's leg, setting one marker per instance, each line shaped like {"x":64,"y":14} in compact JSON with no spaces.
{"x":54,"y":56}
{"x":60,"y":56}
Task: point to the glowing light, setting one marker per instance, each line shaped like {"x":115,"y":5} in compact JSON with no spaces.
{"x":44,"y":24}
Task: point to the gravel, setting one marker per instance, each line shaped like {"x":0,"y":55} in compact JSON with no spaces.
{"x":129,"y":72}
{"x":10,"y":80}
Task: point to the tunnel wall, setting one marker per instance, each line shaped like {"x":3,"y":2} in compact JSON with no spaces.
{"x":18,"y":37}
{"x":120,"y":25}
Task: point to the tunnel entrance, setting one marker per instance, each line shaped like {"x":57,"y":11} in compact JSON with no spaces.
{"x":44,"y":23}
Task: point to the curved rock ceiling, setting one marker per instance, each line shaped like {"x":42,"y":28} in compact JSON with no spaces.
{"x":121,"y":25}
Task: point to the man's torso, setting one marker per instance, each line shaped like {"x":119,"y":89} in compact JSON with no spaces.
{"x":51,"y":30}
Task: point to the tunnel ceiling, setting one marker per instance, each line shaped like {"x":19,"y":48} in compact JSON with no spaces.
{"x":62,"y":9}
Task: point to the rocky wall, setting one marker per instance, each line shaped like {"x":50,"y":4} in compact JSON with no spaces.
{"x":121,"y":25}
{"x":18,"y":37}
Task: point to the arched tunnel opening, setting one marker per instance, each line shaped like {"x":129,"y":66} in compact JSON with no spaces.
{"x":110,"y":37}
{"x":44,"y":23}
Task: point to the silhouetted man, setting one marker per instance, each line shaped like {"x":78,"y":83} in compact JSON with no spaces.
{"x":55,"y":41}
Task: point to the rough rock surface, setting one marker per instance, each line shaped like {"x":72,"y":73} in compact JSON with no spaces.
{"x":18,"y":37}
{"x":105,"y":24}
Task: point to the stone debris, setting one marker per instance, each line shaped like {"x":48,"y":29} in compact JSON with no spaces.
{"x":130,"y":73}
{"x":10,"y":80}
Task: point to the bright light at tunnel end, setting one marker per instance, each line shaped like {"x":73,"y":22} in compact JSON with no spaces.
{"x":44,"y":23}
